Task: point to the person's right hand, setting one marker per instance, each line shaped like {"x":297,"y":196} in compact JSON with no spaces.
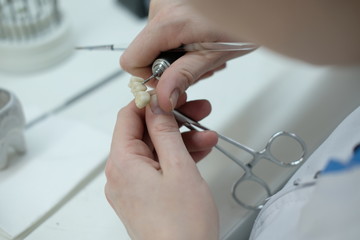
{"x":171,"y":24}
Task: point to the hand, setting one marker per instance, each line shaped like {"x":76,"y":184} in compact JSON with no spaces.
{"x":153,"y":183}
{"x":171,"y":24}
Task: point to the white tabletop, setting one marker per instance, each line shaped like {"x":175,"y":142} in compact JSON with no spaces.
{"x":256,"y":95}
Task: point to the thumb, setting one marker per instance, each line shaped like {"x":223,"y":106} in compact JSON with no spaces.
{"x":167,"y":140}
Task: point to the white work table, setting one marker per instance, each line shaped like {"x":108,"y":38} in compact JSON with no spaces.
{"x":256,"y":96}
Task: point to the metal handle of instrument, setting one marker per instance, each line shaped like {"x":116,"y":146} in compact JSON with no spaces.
{"x":164,"y":61}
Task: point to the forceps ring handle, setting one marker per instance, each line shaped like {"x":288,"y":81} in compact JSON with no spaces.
{"x":259,"y":181}
{"x":269,"y":155}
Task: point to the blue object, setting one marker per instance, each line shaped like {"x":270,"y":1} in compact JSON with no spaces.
{"x":335,"y":165}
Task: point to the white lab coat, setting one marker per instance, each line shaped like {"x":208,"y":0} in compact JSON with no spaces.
{"x":328,"y":209}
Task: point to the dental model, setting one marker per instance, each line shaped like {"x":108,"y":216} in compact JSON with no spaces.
{"x":138,"y":89}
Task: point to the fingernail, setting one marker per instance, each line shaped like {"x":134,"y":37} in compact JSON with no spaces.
{"x":154,"y":105}
{"x":174,"y":98}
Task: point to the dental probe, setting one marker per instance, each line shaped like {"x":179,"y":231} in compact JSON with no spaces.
{"x":191,"y":47}
{"x":165,"y":59}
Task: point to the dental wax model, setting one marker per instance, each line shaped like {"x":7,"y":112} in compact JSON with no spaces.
{"x":138,"y":89}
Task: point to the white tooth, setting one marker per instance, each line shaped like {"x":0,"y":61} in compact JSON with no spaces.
{"x":142,"y":99}
{"x":137,"y":87}
{"x":134,"y":79}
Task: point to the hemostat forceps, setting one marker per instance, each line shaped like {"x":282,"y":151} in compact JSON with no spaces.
{"x":256,"y":157}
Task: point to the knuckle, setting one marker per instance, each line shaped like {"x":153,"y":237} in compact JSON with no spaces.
{"x":165,"y":127}
{"x":109,"y":172}
{"x":115,"y":172}
{"x":120,"y":114}
{"x":108,"y":193}
{"x":124,"y":62}
{"x":188,"y":79}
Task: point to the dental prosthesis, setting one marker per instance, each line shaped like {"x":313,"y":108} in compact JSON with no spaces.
{"x":138,"y":89}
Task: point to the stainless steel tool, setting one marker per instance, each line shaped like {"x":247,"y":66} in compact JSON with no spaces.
{"x":165,"y":59}
{"x":256,"y":156}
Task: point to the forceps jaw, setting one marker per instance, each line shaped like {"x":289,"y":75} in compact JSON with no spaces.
{"x":188,"y":122}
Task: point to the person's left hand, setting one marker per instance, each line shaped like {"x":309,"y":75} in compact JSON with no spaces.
{"x":153,"y":183}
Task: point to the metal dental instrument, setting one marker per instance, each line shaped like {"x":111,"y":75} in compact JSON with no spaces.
{"x":191,"y":47}
{"x":256,"y":157}
{"x":165,"y":59}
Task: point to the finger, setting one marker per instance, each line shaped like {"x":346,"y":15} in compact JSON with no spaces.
{"x":166,"y":137}
{"x":196,"y":110}
{"x":186,"y":71}
{"x":130,"y":143}
{"x":129,"y":131}
{"x":182,"y":100}
{"x":199,"y":144}
{"x":153,"y":83}
{"x":129,"y":124}
{"x":199,"y":141}
{"x":146,"y":137}
{"x":198,"y":156}
{"x":210,"y":73}
{"x":167,"y":29}
{"x":147,"y":46}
